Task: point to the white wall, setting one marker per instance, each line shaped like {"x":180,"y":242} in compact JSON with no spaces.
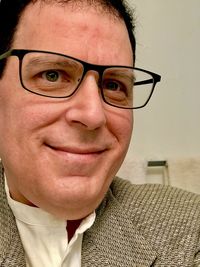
{"x":168,"y":42}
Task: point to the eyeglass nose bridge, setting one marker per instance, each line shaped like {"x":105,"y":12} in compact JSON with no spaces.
{"x":92,"y":67}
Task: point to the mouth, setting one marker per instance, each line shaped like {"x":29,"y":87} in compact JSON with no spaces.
{"x":77,"y":153}
{"x":77,"y":160}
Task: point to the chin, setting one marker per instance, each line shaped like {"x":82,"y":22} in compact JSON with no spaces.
{"x":71,"y":205}
{"x":73,"y":213}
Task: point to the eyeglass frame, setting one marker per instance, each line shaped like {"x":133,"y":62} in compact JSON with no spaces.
{"x":20,"y":53}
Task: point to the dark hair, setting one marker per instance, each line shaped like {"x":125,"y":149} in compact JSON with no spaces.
{"x":11,"y":10}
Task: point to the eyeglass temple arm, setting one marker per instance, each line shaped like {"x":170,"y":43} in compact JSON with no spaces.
{"x":144,"y":82}
{"x":6,"y":54}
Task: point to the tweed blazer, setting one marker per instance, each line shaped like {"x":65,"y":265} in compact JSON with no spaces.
{"x":136,"y":226}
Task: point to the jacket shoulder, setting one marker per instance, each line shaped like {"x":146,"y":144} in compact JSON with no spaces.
{"x":150,"y":201}
{"x":168,"y":218}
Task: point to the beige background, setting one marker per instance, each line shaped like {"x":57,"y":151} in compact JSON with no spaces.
{"x":168,"y":42}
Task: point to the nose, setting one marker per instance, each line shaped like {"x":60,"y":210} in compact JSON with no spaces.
{"x":86,"y":105}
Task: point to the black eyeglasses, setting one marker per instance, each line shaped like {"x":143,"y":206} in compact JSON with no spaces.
{"x":56,"y":75}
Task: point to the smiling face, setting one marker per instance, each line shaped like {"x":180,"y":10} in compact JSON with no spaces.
{"x":61,"y":155}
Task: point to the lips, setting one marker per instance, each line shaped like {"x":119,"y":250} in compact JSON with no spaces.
{"x":77,"y":150}
{"x":77,"y":160}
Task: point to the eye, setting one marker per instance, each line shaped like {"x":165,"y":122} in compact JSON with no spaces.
{"x":112,"y":85}
{"x":51,"y":75}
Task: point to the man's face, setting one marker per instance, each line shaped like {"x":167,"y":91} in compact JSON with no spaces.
{"x":62,"y":154}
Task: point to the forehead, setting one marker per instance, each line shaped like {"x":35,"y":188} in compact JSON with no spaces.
{"x":86,"y":33}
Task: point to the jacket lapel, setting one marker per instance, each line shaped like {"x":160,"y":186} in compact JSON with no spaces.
{"x":113,"y":241}
{"x":11,"y":250}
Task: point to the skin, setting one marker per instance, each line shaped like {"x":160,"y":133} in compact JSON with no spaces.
{"x":62,"y":155}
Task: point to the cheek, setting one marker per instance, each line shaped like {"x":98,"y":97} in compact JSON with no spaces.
{"x":29,"y":115}
{"x":120,"y":123}
{"x":20,"y":120}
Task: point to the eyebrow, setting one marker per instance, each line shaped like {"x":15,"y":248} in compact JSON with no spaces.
{"x":46,"y":61}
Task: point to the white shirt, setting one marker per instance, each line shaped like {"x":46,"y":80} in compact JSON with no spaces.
{"x":44,"y":237}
